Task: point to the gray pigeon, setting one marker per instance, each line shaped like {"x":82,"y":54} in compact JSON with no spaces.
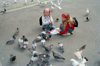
{"x":61,"y":47}
{"x":39,"y":38}
{"x":12,"y":58}
{"x":12,"y":40}
{"x":57,"y":56}
{"x":48,"y":48}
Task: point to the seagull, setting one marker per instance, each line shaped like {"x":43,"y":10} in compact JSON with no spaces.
{"x":57,"y":56}
{"x":61,"y":47}
{"x":4,"y":11}
{"x":87,"y":12}
{"x":48,"y":48}
{"x":43,"y":41}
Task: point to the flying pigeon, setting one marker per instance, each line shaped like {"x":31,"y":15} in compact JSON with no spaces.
{"x":25,"y":2}
{"x":12,"y":58}
{"x":15,"y":1}
{"x":17,"y":32}
{"x":74,"y":62}
{"x":87,"y":12}
{"x":34,"y":44}
{"x":4,"y":11}
{"x":61,"y":47}
{"x":57,"y":56}
{"x":4,"y":3}
{"x":12,"y":40}
{"x":43,"y":41}
{"x":48,"y":48}
{"x":78,"y":52}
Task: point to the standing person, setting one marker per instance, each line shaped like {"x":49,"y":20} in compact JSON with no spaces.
{"x":67,"y":25}
{"x":47,"y":20}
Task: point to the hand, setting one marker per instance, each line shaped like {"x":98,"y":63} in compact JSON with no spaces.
{"x":50,"y":22}
{"x":58,"y":30}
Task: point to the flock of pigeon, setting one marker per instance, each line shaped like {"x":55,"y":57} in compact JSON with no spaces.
{"x":43,"y":59}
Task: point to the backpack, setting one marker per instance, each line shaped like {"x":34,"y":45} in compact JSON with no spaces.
{"x":40,"y":21}
{"x":76,"y":22}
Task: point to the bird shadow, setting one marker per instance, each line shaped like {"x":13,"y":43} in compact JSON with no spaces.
{"x":10,"y":63}
{"x":57,"y":61}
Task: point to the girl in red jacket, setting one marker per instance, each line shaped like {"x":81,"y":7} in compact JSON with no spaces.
{"x":67,"y":25}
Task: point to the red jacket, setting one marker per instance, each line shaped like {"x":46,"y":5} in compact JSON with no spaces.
{"x":65,"y":29}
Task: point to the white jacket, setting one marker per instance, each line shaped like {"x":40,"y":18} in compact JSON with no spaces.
{"x":45,"y":20}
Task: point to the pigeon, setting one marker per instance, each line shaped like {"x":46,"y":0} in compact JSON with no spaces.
{"x":38,"y":39}
{"x":15,"y":1}
{"x":12,"y":58}
{"x":4,"y":3}
{"x":12,"y":40}
{"x":46,"y":36}
{"x":87,"y":12}
{"x":42,"y":3}
{"x":87,"y":18}
{"x":34,"y":44}
{"x":17,"y":32}
{"x":57,"y":56}
{"x":52,"y":7}
{"x":78,"y":52}
{"x":48,"y":48}
{"x":25,"y":2}
{"x":40,"y":64}
{"x":31,"y":0}
{"x":57,"y":19}
{"x":4,"y":11}
{"x":34,"y":53}
{"x":61,"y":47}
{"x":44,"y":56}
{"x":43,"y":41}
{"x":74,"y":62}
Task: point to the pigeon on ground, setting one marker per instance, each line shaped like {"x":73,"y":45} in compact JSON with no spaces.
{"x":88,"y":18}
{"x":4,"y":11}
{"x":12,"y":40}
{"x":46,"y":36}
{"x":17,"y":32}
{"x":87,"y":12}
{"x":57,"y":19}
{"x":57,"y":56}
{"x":34,"y":53}
{"x":34,"y":44}
{"x":42,"y":3}
{"x":39,"y":38}
{"x":43,"y":41}
{"x":44,"y":56}
{"x":61,"y":47}
{"x":48,"y":48}
{"x":78,"y":52}
{"x":12,"y":58}
{"x":40,"y":64}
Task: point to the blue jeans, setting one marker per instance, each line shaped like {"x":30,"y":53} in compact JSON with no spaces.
{"x":69,"y":30}
{"x":48,"y":27}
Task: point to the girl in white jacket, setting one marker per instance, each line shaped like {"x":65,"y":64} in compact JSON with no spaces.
{"x":47,"y":20}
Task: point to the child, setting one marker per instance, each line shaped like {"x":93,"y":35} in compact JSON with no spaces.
{"x":67,"y":25}
{"x":47,"y":20}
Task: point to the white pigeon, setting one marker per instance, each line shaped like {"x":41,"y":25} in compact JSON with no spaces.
{"x":78,"y":53}
{"x":4,"y":3}
{"x":43,"y":41}
{"x":15,"y":1}
{"x":34,"y":52}
{"x":34,"y":45}
{"x":34,"y":59}
{"x":52,"y":7}
{"x":52,"y":3}
{"x":74,"y":62}
{"x":25,"y":2}
{"x":38,"y":1}
{"x":60,"y":45}
{"x":87,"y":11}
